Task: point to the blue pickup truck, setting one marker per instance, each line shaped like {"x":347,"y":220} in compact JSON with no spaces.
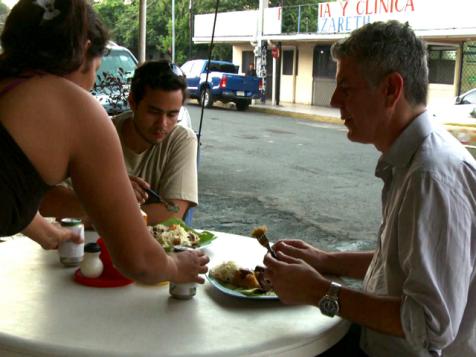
{"x":224,"y":83}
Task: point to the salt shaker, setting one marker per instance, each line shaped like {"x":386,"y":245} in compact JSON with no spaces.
{"x":91,"y":266}
{"x":71,"y":253}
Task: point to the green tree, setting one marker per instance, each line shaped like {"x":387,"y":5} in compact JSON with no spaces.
{"x":208,"y":6}
{"x":4,"y":10}
{"x":123,"y":22}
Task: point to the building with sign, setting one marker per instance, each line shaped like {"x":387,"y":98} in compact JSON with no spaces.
{"x":291,"y":45}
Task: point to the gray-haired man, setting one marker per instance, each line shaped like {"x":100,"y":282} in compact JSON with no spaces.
{"x":419,"y":289}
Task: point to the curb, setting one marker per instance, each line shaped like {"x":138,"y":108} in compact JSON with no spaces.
{"x":461,"y":125}
{"x":338,"y":121}
{"x":298,"y":115}
{"x":282,"y":111}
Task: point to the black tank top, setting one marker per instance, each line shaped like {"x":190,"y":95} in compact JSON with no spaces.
{"x":21,"y":187}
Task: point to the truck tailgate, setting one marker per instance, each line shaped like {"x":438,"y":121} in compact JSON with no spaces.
{"x":236,"y":82}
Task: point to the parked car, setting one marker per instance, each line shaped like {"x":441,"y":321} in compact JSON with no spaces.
{"x":467,"y":100}
{"x":113,"y":82}
{"x":224,"y":83}
{"x":113,"y":78}
{"x":463,"y":108}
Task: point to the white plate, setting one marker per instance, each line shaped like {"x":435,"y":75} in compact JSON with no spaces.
{"x":238,"y":294}
{"x":240,"y":93}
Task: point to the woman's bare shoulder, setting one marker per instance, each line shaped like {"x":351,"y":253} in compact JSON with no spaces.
{"x":53,"y":98}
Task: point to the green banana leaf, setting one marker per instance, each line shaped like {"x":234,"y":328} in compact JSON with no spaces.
{"x":205,"y":237}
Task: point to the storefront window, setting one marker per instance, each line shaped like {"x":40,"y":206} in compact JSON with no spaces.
{"x":288,"y":56}
{"x":441,"y":64}
{"x":323,"y":64}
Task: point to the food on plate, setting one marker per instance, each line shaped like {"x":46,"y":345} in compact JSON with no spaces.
{"x":174,"y":232}
{"x":173,"y":235}
{"x":265,"y":284}
{"x":231,"y":274}
{"x":259,"y":232}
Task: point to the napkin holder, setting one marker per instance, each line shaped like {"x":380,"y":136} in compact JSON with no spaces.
{"x":110,"y":276}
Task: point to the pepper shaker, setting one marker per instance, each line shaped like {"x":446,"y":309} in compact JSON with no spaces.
{"x":91,"y":266}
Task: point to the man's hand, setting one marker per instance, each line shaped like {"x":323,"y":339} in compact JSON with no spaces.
{"x":299,"y":249}
{"x":293,"y":280}
{"x":139,"y":185}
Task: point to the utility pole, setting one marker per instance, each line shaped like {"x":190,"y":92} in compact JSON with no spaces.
{"x":142,"y":24}
{"x":173,"y":31}
{"x":261,"y":48}
{"x":190,"y":28}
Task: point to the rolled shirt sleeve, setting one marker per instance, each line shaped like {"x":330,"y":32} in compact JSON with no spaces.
{"x":434,"y":241}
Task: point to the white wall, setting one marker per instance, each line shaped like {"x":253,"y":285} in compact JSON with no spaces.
{"x":304,"y":78}
{"x":440,"y":94}
{"x":237,"y":23}
{"x":236,"y":56}
{"x":287,"y":88}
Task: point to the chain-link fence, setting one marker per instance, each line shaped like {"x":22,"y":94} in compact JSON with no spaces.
{"x":468,"y":71}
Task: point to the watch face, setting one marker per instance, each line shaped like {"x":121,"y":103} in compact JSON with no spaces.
{"x":328,"y":306}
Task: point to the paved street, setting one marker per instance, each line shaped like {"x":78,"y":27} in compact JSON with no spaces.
{"x":302,"y":179}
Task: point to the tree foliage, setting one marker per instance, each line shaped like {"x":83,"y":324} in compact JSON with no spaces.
{"x":4,"y":10}
{"x":123,"y":22}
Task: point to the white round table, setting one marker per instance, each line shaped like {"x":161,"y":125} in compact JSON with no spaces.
{"x":43,"y":312}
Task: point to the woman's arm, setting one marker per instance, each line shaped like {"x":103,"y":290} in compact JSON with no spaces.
{"x":101,"y":182}
{"x":65,"y":132}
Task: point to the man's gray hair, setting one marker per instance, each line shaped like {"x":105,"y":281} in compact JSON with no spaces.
{"x":380,"y":48}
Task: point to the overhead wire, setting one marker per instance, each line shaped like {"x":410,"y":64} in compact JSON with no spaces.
{"x":202,"y":101}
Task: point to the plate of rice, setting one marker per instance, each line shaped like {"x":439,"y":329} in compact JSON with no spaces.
{"x":174,"y":232}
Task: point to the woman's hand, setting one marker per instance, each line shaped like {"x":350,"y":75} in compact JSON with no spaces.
{"x":57,"y":235}
{"x":49,"y":235}
{"x":188,"y":265}
{"x":294,"y":280}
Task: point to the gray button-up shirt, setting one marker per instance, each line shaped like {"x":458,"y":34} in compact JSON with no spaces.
{"x":426,"y":249}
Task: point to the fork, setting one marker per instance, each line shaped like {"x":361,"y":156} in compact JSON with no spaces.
{"x":170,"y":206}
{"x":260,"y":234}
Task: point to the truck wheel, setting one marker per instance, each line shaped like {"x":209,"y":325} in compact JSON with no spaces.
{"x":206,"y":97}
{"x":242,"y":105}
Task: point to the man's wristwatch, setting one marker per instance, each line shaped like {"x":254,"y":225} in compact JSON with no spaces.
{"x":329,"y":304}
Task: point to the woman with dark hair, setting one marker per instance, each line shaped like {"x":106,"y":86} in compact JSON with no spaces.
{"x":51,"y":128}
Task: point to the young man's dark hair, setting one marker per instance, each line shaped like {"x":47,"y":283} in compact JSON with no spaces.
{"x":160,"y":74}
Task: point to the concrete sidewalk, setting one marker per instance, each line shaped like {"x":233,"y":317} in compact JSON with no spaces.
{"x":464,"y":129}
{"x":301,"y":111}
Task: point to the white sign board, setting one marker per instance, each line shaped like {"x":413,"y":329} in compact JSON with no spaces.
{"x":343,"y":16}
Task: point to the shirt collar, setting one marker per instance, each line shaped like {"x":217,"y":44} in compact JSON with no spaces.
{"x":407,"y":143}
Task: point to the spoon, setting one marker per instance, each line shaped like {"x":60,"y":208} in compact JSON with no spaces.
{"x":260,"y":234}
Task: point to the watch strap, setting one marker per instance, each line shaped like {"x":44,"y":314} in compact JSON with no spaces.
{"x":334,"y":290}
